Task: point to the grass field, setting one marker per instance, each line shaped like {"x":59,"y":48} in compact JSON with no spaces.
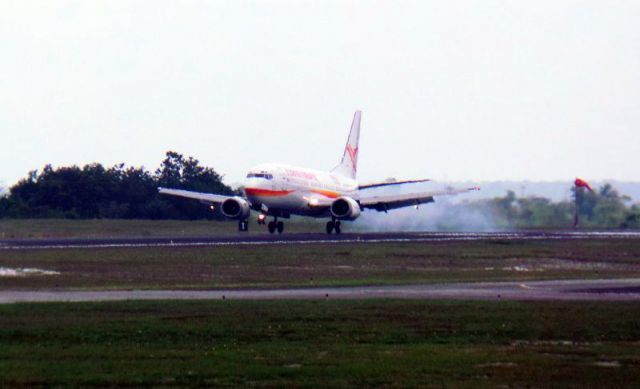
{"x":326,"y":343}
{"x":323,"y":264}
{"x":372,"y":343}
{"x":110,"y":228}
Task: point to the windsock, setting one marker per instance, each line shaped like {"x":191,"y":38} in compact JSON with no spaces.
{"x":580,"y":183}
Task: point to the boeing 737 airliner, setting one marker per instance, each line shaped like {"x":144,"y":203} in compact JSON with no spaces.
{"x":280,"y":191}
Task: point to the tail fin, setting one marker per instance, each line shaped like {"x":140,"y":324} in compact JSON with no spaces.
{"x":349,"y":164}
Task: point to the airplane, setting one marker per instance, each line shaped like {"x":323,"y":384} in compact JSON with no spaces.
{"x":279,"y":191}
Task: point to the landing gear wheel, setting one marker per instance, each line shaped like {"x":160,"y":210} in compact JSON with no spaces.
{"x":337,"y":227}
{"x":243,"y":225}
{"x":280,"y":227}
{"x":330,"y":227}
{"x":272,"y":227}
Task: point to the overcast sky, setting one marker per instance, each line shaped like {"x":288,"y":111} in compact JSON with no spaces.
{"x":455,"y":90}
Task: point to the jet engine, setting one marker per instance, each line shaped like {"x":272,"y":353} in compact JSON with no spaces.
{"x":235,"y":208}
{"x":345,"y":208}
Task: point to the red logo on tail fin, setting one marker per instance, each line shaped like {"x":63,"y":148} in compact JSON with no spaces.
{"x":353,"y":154}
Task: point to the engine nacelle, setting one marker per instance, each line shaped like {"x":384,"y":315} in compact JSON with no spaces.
{"x":236,"y":208}
{"x":345,"y":208}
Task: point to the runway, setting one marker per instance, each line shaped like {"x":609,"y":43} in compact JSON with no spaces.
{"x":290,"y":239}
{"x":558,"y":290}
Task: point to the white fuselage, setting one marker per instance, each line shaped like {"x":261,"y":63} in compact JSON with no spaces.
{"x":293,"y":190}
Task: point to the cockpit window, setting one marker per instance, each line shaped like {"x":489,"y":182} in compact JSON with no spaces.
{"x":266,"y":176}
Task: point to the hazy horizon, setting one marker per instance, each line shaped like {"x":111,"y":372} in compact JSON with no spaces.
{"x":554,"y":190}
{"x":454,"y":91}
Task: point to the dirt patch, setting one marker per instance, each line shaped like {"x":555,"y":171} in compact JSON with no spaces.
{"x":497,"y":364}
{"x":607,"y":364}
{"x":26,"y":272}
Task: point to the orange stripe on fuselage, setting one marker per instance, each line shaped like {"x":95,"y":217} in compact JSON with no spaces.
{"x":266,"y":192}
{"x":326,"y":193}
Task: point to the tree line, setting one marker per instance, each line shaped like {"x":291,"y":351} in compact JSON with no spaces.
{"x":602,"y":208}
{"x":93,"y":191}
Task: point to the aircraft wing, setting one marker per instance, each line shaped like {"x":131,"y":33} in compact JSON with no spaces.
{"x":383,"y":203}
{"x":203,"y":197}
{"x":371,"y":185}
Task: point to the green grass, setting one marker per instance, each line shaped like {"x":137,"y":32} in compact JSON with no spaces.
{"x":321,"y":343}
{"x":111,"y":228}
{"x":323,"y":264}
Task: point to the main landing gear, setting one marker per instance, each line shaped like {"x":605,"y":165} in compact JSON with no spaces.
{"x":272,"y":226}
{"x":275,"y":225}
{"x":333,"y":225}
{"x":243,"y":225}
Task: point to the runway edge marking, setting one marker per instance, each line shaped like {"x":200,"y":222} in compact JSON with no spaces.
{"x":437,"y":237}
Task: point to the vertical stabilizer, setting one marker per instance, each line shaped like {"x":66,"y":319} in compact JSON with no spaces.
{"x":349,"y":164}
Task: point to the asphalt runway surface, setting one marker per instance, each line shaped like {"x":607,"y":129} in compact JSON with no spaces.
{"x":289,"y":239}
{"x":558,"y":290}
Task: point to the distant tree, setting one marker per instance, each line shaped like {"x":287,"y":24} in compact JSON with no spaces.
{"x":176,"y":171}
{"x":610,"y":209}
{"x":134,"y":188}
{"x":586,"y":202}
{"x":632,"y":218}
{"x":501,"y":209}
{"x":187,"y":173}
{"x":92,"y":191}
{"x":602,"y":208}
{"x":169,"y":174}
{"x":540,"y":212}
